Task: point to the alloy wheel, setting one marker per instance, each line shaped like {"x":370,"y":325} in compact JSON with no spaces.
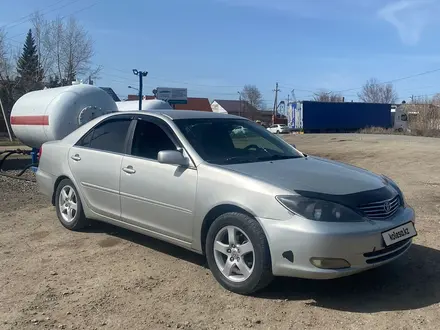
{"x":234,"y":254}
{"x":68,"y":204}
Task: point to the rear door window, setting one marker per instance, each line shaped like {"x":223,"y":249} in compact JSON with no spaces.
{"x":109,"y":136}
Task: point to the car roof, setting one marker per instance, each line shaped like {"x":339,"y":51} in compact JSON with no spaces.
{"x":160,"y":113}
{"x":181,"y":114}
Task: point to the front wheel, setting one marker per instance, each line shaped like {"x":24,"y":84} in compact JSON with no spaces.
{"x":238,"y":253}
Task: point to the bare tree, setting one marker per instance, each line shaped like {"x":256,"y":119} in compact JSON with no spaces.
{"x":375,"y":92}
{"x":326,"y":96}
{"x":253,"y":96}
{"x":436,"y":99}
{"x":5,"y":58}
{"x":65,"y":48}
{"x":8,"y":78}
{"x":41,"y":31}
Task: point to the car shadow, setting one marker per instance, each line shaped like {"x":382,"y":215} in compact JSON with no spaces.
{"x":148,"y":242}
{"x":411,"y":282}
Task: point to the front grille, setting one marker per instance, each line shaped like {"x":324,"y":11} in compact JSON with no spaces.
{"x":381,"y":210}
{"x":388,"y":252}
{"x":388,"y":249}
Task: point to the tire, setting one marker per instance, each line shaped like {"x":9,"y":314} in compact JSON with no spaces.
{"x":261,"y":268}
{"x":74,"y":220}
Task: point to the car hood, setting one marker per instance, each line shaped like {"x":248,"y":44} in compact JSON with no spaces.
{"x":312,"y":174}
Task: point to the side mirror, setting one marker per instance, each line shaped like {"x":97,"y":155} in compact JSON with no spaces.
{"x":172,"y":157}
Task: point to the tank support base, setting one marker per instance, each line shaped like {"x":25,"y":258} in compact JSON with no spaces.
{"x":34,"y":156}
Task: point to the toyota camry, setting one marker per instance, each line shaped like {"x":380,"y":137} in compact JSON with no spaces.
{"x":224,"y":186}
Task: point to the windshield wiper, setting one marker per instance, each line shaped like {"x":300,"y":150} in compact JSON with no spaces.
{"x":229,"y":160}
{"x":277,"y":157}
{"x":237,"y":159}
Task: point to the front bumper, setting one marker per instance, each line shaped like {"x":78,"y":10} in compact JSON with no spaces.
{"x":361,"y":244}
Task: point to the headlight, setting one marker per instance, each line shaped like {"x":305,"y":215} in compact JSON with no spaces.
{"x":318,"y":210}
{"x":396,"y":187}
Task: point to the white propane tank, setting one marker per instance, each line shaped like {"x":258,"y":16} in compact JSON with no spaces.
{"x":146,"y":105}
{"x":51,"y":114}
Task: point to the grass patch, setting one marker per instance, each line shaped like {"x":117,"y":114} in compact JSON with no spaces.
{"x":4,"y":142}
{"x":413,"y":132}
{"x":380,"y":130}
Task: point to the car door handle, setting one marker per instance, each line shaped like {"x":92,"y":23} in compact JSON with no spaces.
{"x":129,"y":169}
{"x":76,"y":158}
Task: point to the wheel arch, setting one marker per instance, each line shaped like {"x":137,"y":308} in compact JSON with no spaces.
{"x":55,"y":186}
{"x":80,"y":193}
{"x":214,"y":213}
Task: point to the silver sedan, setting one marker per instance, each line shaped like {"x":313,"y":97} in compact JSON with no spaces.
{"x":225,"y":187}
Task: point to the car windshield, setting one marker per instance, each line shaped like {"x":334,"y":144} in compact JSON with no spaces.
{"x":234,"y":141}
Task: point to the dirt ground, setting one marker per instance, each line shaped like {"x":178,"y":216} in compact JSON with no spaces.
{"x":109,"y":278}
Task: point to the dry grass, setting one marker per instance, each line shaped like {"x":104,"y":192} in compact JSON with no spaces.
{"x":6,"y":142}
{"x":427,"y":120}
{"x":423,"y":120}
{"x":379,"y":130}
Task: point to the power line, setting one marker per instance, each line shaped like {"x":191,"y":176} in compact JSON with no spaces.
{"x":128,"y":81}
{"x":62,"y":18}
{"x":28,"y":17}
{"x":297,"y":89}
{"x":395,"y":80}
{"x":177,"y":81}
{"x":380,"y":83}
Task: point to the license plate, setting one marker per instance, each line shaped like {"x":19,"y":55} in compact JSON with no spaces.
{"x":399,"y":233}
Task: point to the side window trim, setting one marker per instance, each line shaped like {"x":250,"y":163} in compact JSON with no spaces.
{"x":79,"y":143}
{"x":129,"y":137}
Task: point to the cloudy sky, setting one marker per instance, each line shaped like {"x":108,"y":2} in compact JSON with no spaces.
{"x":214,"y":47}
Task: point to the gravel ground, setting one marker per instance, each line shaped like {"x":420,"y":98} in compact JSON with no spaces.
{"x":108,"y":278}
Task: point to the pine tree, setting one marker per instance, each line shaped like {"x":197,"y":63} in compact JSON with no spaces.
{"x":28,"y":67}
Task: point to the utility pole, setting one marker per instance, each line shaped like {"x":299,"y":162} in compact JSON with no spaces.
{"x":275,"y":104}
{"x":141,"y":75}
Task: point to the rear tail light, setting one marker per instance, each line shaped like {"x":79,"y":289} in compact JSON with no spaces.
{"x":40,"y":152}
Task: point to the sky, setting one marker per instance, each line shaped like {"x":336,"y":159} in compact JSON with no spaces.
{"x":215,"y":47}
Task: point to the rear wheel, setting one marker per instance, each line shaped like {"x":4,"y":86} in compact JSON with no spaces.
{"x":238,"y":253}
{"x":69,"y":207}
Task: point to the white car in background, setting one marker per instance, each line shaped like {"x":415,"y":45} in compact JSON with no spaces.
{"x":279,"y":128}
